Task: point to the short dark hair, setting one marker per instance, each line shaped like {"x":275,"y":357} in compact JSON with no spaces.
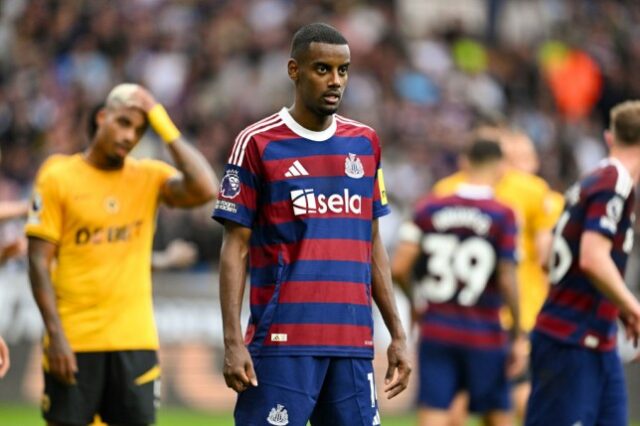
{"x":318,"y":33}
{"x":625,"y":122}
{"x":484,"y":151}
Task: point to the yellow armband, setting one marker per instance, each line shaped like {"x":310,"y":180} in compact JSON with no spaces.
{"x":162,"y":124}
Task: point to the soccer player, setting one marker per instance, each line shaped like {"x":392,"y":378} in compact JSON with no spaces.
{"x":90,"y":232}
{"x":5,"y":362}
{"x":536,"y":208}
{"x":465,"y":244}
{"x":577,"y":375}
{"x":300,"y":200}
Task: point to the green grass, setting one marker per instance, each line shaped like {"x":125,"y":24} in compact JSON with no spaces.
{"x":26,"y":415}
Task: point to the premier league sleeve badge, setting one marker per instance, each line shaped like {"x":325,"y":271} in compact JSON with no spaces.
{"x":230,"y":184}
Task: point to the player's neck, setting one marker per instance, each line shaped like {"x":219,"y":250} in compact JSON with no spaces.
{"x":100,"y":161}
{"x":629,"y":157}
{"x":310,"y":120}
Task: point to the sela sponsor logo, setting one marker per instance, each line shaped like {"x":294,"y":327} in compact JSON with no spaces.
{"x":230,"y":184}
{"x":306,"y":201}
{"x":278,"y":416}
{"x":353,"y":166}
{"x":296,"y":169}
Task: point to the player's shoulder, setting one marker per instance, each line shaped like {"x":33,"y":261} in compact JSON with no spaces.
{"x":58,"y":164}
{"x":260,"y":133}
{"x":425,"y":201}
{"x":148,"y":165}
{"x":501,"y":208}
{"x":526,"y":181}
{"x":611,"y":175}
{"x":448,"y":184}
{"x":349,"y":127}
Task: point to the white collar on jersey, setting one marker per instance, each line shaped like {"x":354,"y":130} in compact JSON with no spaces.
{"x":624,"y":184}
{"x":474,"y":192}
{"x":306,"y":133}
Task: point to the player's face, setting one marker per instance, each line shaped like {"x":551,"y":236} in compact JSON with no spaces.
{"x":322,"y":77}
{"x":119,"y":131}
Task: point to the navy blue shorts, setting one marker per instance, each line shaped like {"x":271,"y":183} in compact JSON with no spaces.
{"x":573,"y":385}
{"x":445,"y":370}
{"x":326,"y":390}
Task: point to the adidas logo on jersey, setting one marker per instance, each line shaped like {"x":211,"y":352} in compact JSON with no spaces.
{"x":296,"y":169}
{"x":305,"y":201}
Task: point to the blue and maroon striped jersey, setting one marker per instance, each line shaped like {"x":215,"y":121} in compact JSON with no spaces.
{"x":310,"y":199}
{"x":462,"y":238}
{"x":575,"y":311}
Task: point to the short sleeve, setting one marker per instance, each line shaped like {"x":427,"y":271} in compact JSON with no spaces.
{"x":507,"y":240}
{"x":239,"y":188}
{"x":604,"y":212}
{"x":380,"y":201}
{"x":45,"y":213}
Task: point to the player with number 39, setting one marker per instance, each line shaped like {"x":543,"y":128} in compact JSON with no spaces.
{"x":466,"y":272}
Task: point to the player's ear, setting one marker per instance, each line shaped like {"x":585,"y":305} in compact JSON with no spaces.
{"x":101,"y":116}
{"x":293,"y":69}
{"x":608,"y":138}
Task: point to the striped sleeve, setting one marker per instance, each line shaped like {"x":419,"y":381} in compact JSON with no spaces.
{"x":238,"y":195}
{"x":380,"y":201}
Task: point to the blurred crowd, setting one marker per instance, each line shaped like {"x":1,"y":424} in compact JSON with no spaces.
{"x":423,"y":73}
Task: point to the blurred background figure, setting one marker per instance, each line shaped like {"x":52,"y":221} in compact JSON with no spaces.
{"x":463,"y":249}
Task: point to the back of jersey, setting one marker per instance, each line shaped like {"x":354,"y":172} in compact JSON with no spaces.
{"x":462,"y":239}
{"x":575,"y":311}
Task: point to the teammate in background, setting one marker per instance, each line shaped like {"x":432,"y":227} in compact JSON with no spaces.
{"x":577,"y":375}
{"x":536,"y":208}
{"x":5,"y":362}
{"x":90,"y":233}
{"x":466,"y":272}
{"x":300,"y":200}
{"x":15,"y":246}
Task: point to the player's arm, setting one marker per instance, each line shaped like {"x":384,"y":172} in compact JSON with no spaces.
{"x":238,"y":367}
{"x":507,"y":284}
{"x":597,"y":264}
{"x":197,"y":183}
{"x":382,"y":291}
{"x":60,"y":357}
{"x":5,"y":362}
{"x":13,"y":209}
{"x":543,"y":240}
{"x":402,"y":262}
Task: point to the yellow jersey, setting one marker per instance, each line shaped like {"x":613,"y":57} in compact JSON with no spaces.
{"x":102,"y":223}
{"x":536,"y":209}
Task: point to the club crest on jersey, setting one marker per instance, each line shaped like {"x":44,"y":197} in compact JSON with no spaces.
{"x":278,"y":416}
{"x":353,"y":166}
{"x":230,"y":185}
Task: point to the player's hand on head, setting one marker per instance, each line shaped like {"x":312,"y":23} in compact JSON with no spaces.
{"x":238,"y":368}
{"x":144,"y":99}
{"x":61,"y":360}
{"x":399,"y":369}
